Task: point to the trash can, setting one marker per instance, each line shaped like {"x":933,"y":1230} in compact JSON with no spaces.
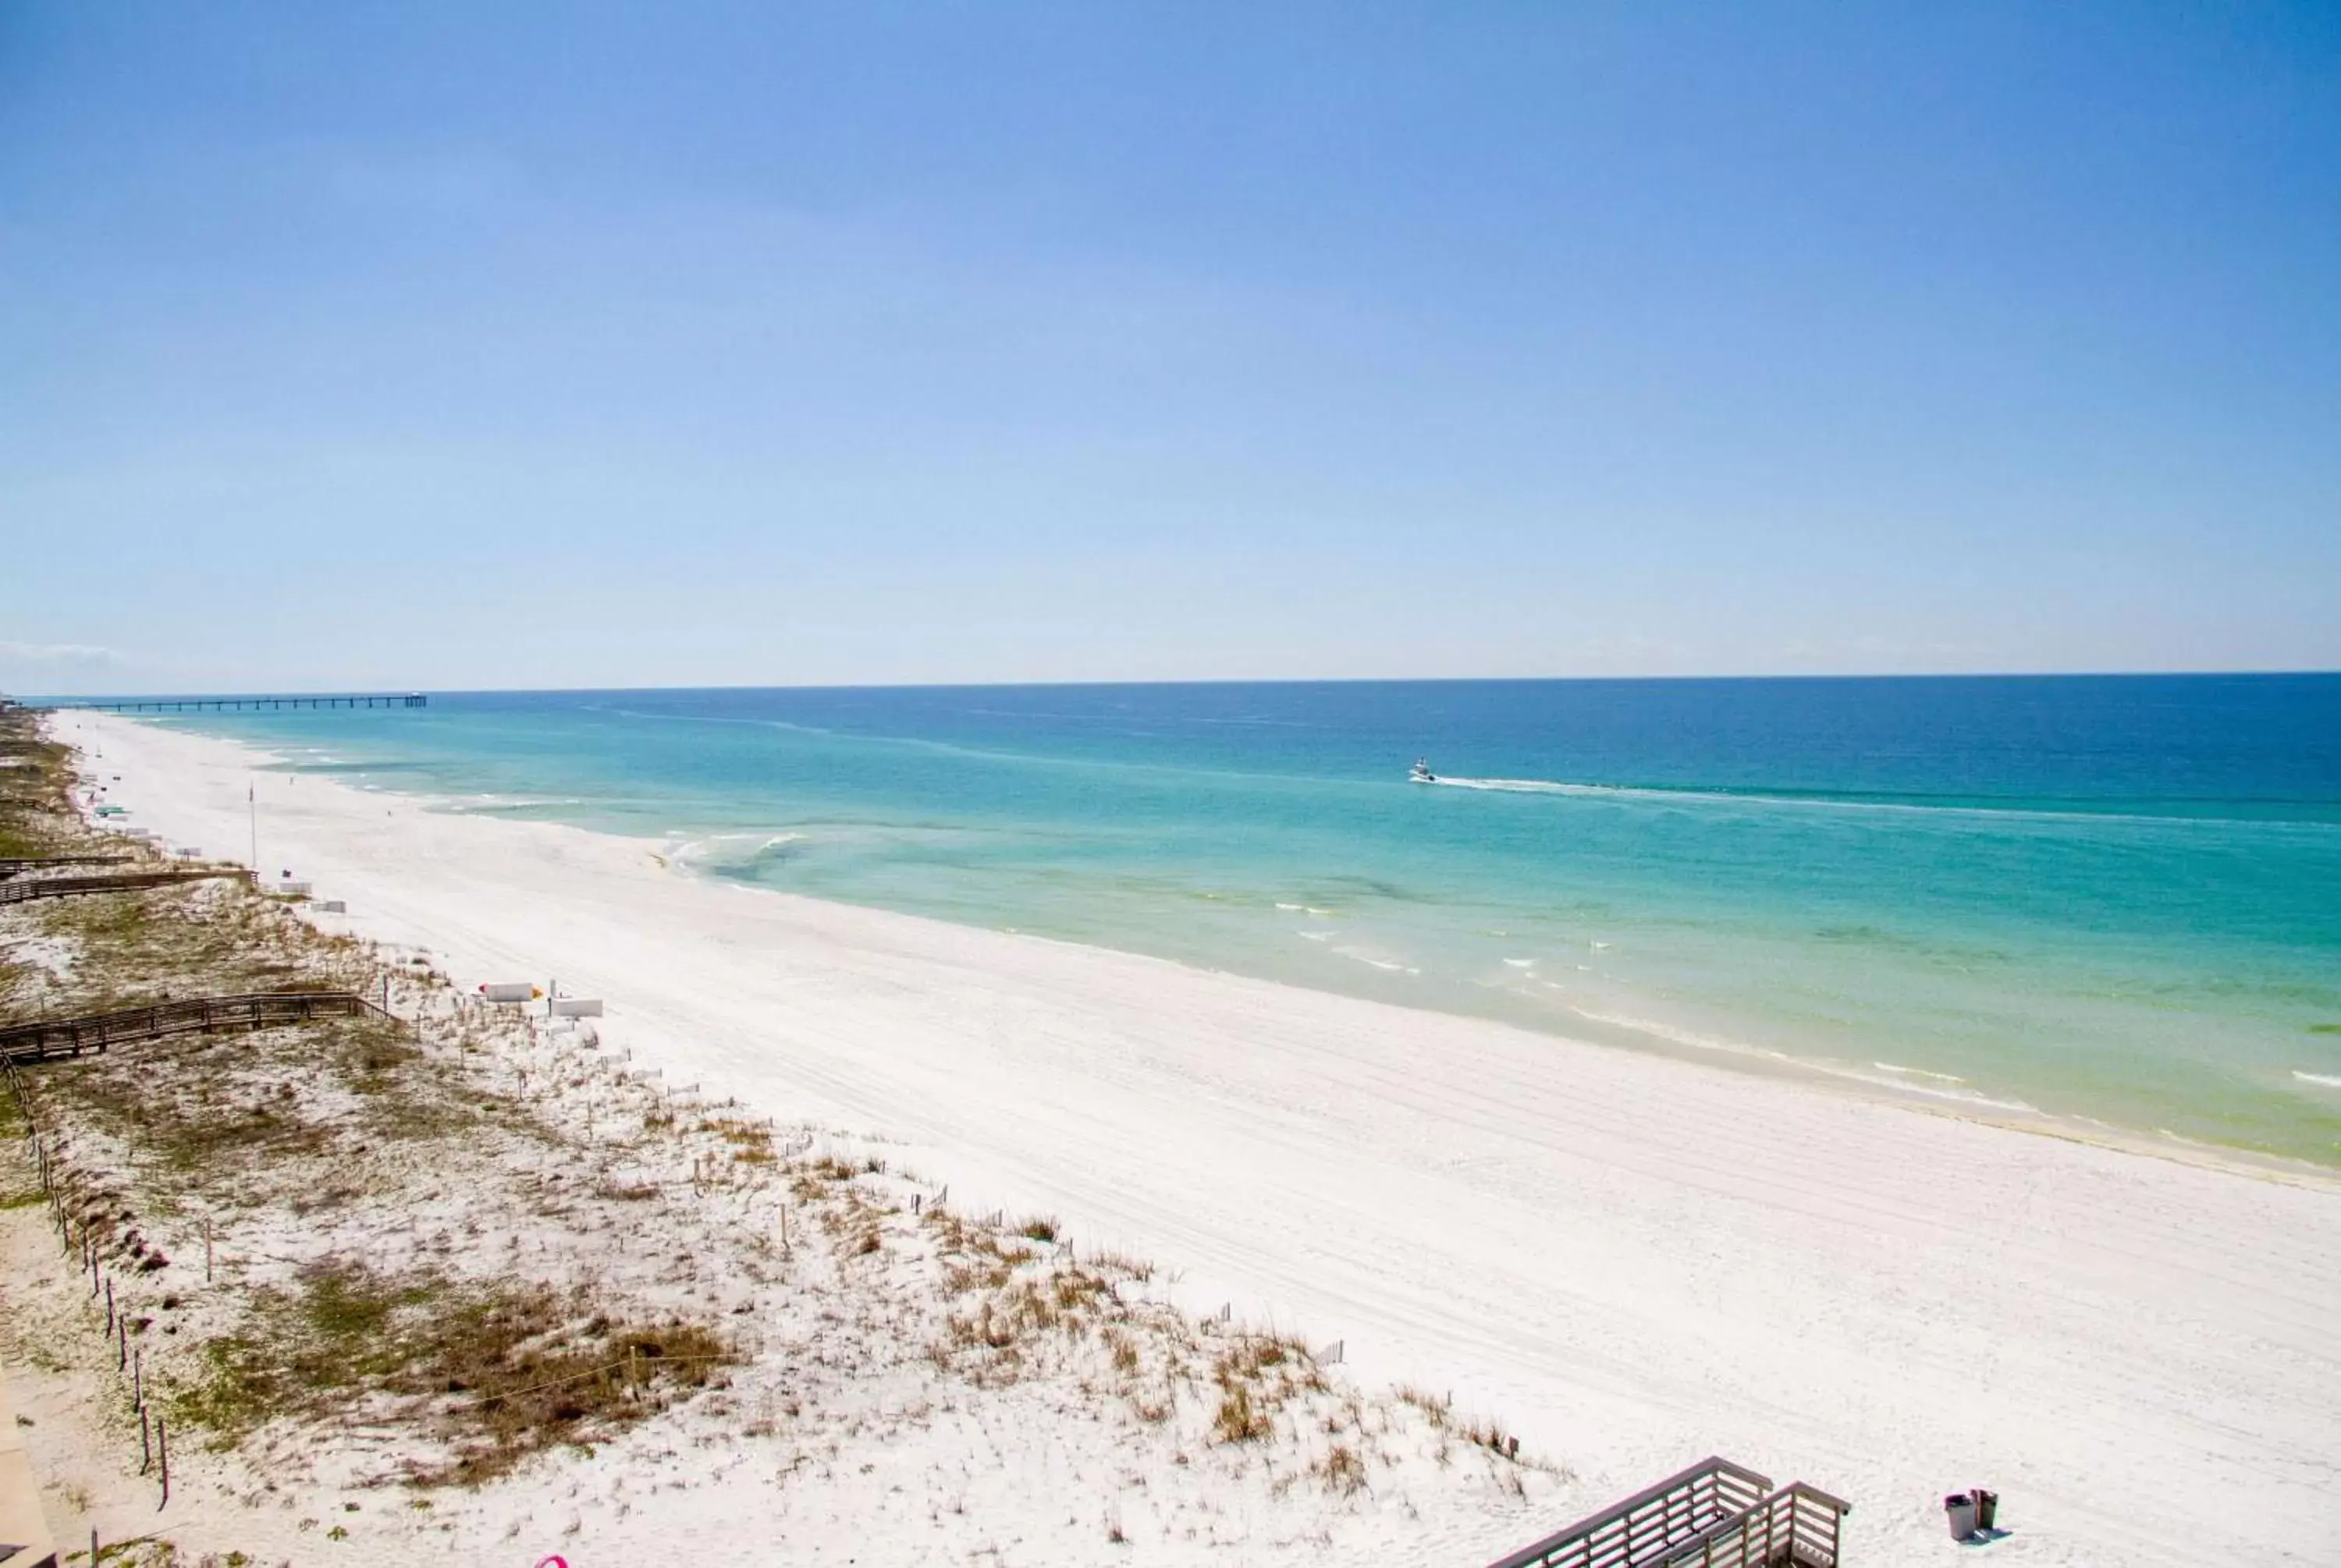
{"x":1960,"y":1509}
{"x":1986,"y":1508}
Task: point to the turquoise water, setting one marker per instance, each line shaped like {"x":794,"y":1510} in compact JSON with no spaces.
{"x":2116,"y":898}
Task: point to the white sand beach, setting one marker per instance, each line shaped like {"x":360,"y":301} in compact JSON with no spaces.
{"x":1632,"y":1261}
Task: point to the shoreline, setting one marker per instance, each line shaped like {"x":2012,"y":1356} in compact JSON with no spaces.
{"x":1635,"y":1256}
{"x":1880,"y":1082}
{"x":2103,"y":1111}
{"x":1806,"y":1075}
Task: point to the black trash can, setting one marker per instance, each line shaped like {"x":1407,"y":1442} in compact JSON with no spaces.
{"x":1986,"y":1508}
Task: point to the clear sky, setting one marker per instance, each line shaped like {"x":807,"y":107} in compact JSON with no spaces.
{"x":465,"y":345}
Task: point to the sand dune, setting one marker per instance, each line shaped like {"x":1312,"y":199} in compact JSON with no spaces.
{"x":1634,"y":1261}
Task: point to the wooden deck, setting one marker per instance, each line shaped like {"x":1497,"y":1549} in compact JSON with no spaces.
{"x":1715,"y":1515}
{"x":52,"y":1039}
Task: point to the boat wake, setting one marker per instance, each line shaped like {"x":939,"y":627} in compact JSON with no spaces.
{"x":1531,"y":787}
{"x":1689,"y":796}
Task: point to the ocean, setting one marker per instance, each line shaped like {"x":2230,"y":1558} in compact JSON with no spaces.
{"x":2111,"y":899}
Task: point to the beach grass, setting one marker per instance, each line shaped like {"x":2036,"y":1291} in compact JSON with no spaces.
{"x":496,"y":1370}
{"x":300,"y":1134}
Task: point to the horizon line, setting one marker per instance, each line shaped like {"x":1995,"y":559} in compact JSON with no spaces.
{"x":167,"y":694}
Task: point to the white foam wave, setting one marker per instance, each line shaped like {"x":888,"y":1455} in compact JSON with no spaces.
{"x":1388,"y":965}
{"x":1522,"y":963}
{"x":2322,"y":1080}
{"x":703,"y":846}
{"x":1917,"y":1072}
{"x":502,"y":802}
{"x":1953,"y":1090}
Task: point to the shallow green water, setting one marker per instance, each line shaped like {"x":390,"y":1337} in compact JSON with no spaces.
{"x":2109,"y":898}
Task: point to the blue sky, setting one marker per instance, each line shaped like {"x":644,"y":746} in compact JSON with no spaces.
{"x":514,"y":345}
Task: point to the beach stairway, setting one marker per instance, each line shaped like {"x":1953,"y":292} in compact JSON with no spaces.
{"x":1715,"y":1514}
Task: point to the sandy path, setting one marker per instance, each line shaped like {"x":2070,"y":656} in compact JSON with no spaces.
{"x":1634,"y":1261}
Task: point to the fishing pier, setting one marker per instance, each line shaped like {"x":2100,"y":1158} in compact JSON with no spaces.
{"x":233,"y":704}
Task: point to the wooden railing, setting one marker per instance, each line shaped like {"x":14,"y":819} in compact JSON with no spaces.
{"x":18,"y":864}
{"x":1795,"y":1527}
{"x":54,"y":1037}
{"x":1648,"y":1527}
{"x":24,"y":889}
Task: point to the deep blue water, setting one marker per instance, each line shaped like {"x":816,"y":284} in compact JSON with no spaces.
{"x":2116,"y":898}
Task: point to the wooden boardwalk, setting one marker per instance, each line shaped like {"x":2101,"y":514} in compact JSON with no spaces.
{"x":24,"y":889}
{"x":51,"y":1039}
{"x":18,"y":864}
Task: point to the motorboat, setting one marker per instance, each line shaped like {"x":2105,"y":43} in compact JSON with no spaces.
{"x":1421,"y":772}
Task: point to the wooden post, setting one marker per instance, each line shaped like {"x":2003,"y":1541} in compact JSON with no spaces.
{"x":163,"y":1456}
{"x":145,"y":1444}
{"x":207,"y":1249}
{"x":109,"y":1308}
